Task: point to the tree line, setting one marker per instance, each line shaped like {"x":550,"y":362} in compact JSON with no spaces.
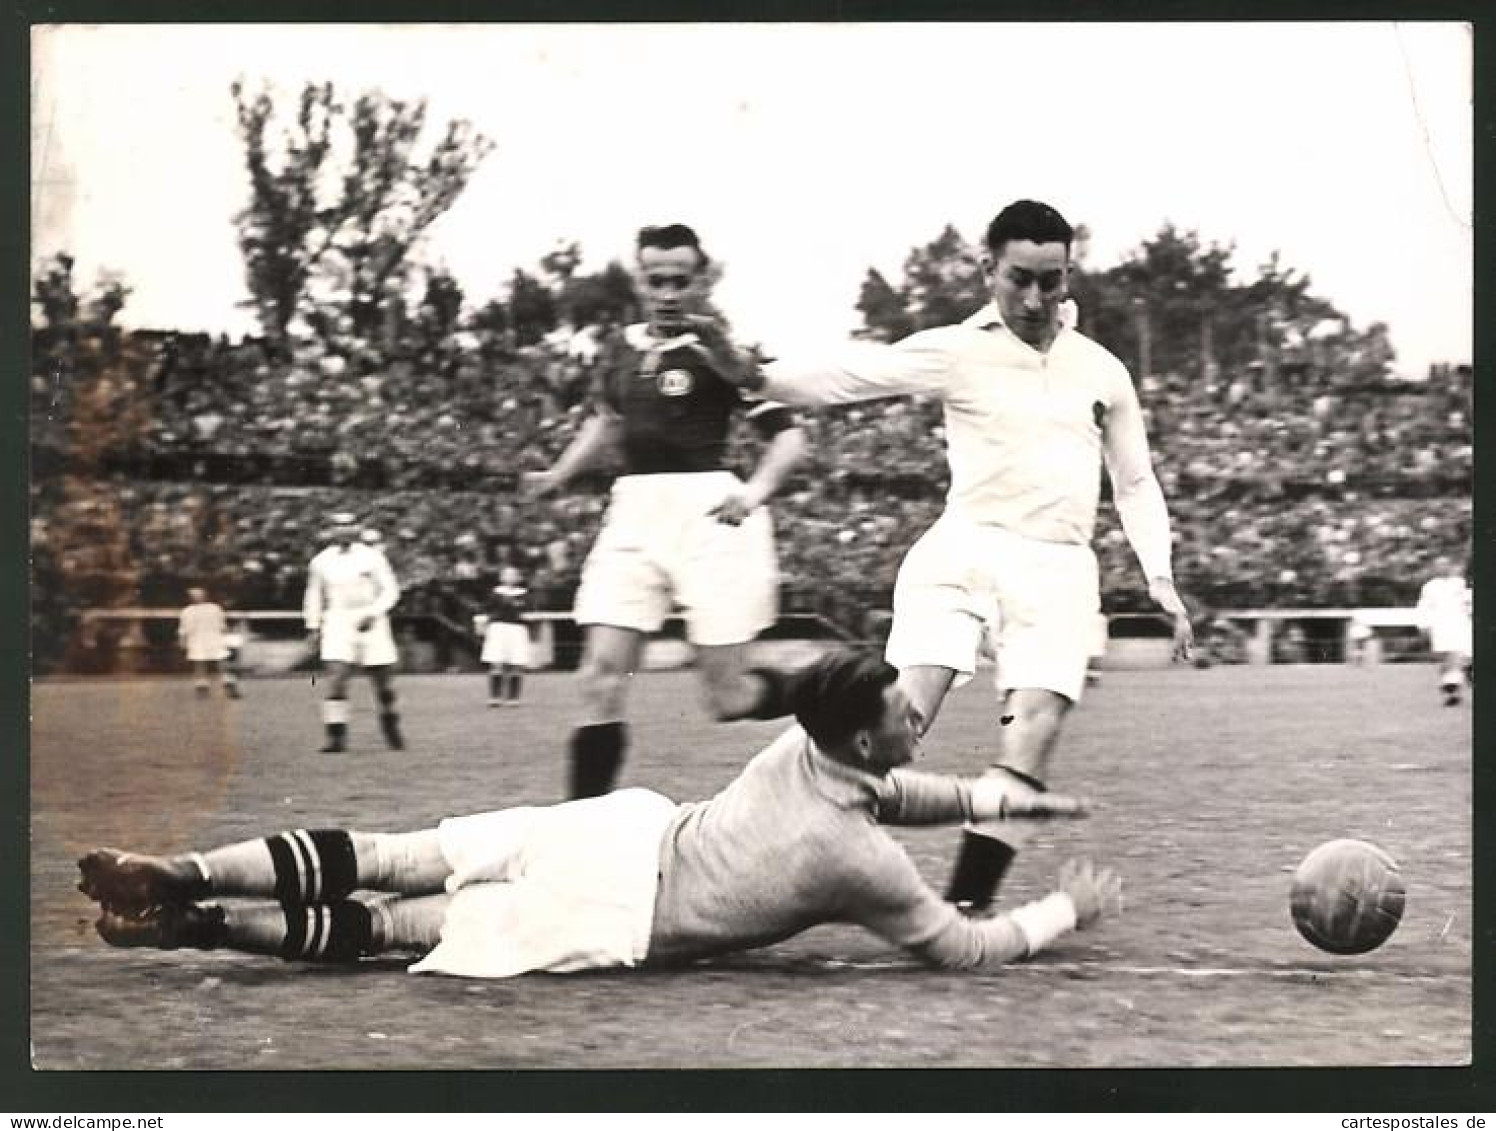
{"x":343,"y":195}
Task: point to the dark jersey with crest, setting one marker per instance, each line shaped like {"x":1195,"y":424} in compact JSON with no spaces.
{"x":675,"y":406}
{"x":506,"y":604}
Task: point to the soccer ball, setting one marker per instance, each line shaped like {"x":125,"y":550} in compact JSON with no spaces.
{"x":1347,"y":897}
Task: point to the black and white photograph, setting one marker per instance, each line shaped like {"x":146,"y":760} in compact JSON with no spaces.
{"x":741,"y":546}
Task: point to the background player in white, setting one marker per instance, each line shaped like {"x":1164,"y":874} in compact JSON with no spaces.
{"x":1032,"y":410}
{"x":506,"y":638}
{"x":1444,"y":608}
{"x":350,"y":590}
{"x":681,"y":528}
{"x":203,"y":632}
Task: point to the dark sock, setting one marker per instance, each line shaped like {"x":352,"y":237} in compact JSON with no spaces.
{"x":495,"y":685}
{"x":337,"y":735}
{"x":328,"y":932}
{"x":516,"y":685}
{"x":980,"y":867}
{"x":596,"y":755}
{"x":983,"y":861}
{"x":312,"y":866}
{"x":389,"y":723}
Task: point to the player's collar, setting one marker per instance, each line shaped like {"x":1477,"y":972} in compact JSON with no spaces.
{"x":844,"y":785}
{"x":990,"y":317}
{"x":986,"y":318}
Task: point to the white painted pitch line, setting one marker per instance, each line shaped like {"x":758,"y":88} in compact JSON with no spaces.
{"x":1106,"y":968}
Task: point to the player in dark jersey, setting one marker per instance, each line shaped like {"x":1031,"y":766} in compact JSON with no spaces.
{"x":681,"y":529}
{"x":506,"y":638}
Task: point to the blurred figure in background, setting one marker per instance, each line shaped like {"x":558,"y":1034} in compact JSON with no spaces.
{"x":506,"y":638}
{"x":1444,"y":608}
{"x":203,"y":632}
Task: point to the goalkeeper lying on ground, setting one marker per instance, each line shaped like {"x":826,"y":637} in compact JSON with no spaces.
{"x":628,"y":878}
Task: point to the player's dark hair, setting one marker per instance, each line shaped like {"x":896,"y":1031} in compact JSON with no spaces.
{"x":840,"y":694}
{"x":1028,"y":220}
{"x":668,"y":236}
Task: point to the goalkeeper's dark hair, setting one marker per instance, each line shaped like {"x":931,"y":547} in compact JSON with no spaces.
{"x":1028,"y":220}
{"x":840,"y":694}
{"x":668,"y":236}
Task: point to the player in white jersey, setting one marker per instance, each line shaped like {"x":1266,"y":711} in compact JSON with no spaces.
{"x":1033,"y":409}
{"x":350,"y":590}
{"x":203,"y":632}
{"x":1444,"y":608}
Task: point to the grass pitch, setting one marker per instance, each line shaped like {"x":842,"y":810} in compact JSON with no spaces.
{"x":1209,"y":787}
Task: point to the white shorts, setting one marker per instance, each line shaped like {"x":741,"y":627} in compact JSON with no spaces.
{"x":343,"y":643}
{"x":558,"y":887}
{"x":1038,"y":602}
{"x":659,"y":549}
{"x":207,"y":653}
{"x":505,"y":642}
{"x":1452,"y":634}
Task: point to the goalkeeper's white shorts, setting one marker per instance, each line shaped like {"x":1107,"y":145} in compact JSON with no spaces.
{"x":557,"y":887}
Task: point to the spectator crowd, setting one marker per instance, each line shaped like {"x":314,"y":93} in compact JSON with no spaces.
{"x":162,"y":460}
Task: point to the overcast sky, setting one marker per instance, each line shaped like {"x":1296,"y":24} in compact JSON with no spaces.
{"x":804,"y":154}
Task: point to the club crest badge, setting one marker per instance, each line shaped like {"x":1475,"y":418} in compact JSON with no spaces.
{"x":675,"y":382}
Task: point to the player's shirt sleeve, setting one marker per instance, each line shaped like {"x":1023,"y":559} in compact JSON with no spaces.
{"x":768,"y":418}
{"x":859,"y":371}
{"x":1135,"y":488}
{"x":887,"y":896}
{"x":909,"y":797}
{"x":615,"y":360}
{"x":1426,"y":602}
{"x":312,"y":599}
{"x":389,"y":588}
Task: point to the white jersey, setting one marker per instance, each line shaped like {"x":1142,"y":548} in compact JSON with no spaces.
{"x":348,"y":583}
{"x":202,"y":629}
{"x":1444,"y":606}
{"x":1026,"y":432}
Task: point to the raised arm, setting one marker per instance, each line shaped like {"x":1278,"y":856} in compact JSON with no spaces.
{"x":858,"y":371}
{"x":912,"y":797}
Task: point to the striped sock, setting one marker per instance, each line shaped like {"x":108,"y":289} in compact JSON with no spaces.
{"x":293,"y":867}
{"x":327,"y":932}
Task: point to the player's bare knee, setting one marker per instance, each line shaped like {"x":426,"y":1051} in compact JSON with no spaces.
{"x":409,"y":924}
{"x":407,"y":863}
{"x":604,"y":685}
